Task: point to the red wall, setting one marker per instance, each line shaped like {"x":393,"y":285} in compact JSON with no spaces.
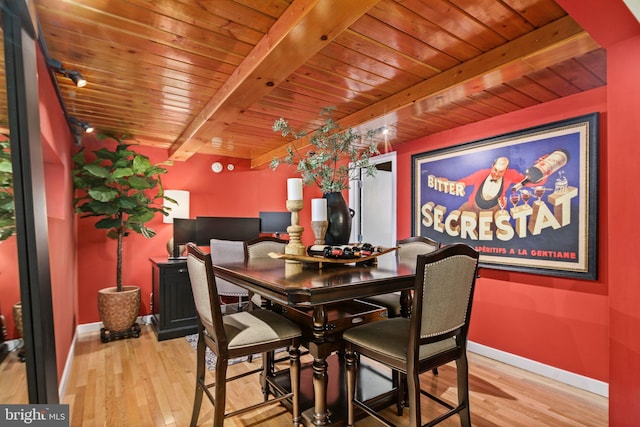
{"x":527,"y":314}
{"x":56,"y":145}
{"x":611,"y":24}
{"x":623,"y":233}
{"x":9,"y":284}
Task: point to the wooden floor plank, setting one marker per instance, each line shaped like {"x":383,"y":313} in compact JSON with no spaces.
{"x":142,"y":382}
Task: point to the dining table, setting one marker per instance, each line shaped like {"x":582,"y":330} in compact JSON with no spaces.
{"x":320,"y":290}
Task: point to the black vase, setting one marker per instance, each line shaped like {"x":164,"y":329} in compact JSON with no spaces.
{"x":339,"y":217}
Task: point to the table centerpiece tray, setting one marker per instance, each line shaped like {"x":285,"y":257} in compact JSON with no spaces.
{"x":308,"y":259}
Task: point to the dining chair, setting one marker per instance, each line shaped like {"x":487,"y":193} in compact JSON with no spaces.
{"x":235,"y":335}
{"x":435,"y":334}
{"x":406,"y":253}
{"x":260,"y":247}
{"x":223,"y":251}
{"x":408,"y":250}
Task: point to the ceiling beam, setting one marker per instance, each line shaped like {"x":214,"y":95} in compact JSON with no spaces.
{"x":548,"y":45}
{"x":303,"y":29}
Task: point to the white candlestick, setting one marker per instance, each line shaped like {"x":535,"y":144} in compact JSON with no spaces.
{"x":294,"y":189}
{"x":318,"y":209}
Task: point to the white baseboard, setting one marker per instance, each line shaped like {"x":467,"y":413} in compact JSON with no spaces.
{"x":566,"y":377}
{"x":62,"y":386}
{"x":83,"y":329}
{"x":96,"y":326}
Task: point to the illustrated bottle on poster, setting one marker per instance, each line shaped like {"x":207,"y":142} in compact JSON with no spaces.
{"x":543,"y":167}
{"x":562,"y":183}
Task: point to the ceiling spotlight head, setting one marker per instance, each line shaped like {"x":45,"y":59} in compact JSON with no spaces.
{"x":86,"y":127}
{"x":75,"y":76}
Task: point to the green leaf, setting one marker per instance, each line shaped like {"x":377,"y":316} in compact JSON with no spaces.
{"x":98,"y":208}
{"x":121,"y":173}
{"x":78,"y":158}
{"x":141,"y":164}
{"x":126,"y":203}
{"x":112,"y":234}
{"x":5,"y":166}
{"x":105,"y":154}
{"x":142,"y":217}
{"x":6,"y":222}
{"x":140,"y":183}
{"x":5,"y":233}
{"x":103,"y":194}
{"x":108,"y":223}
{"x":97,"y":170}
{"x":147,"y":232}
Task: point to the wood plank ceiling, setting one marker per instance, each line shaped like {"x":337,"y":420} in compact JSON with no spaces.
{"x":198,"y":76}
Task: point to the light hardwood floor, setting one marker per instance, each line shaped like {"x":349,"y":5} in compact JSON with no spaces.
{"x":13,"y":380}
{"x":143,"y":382}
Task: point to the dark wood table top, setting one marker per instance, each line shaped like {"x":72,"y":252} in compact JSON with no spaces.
{"x":307,"y":285}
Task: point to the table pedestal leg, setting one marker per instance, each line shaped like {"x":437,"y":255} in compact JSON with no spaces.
{"x":320,"y":379}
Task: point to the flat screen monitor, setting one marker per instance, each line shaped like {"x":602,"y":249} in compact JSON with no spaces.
{"x":274,"y":222}
{"x":184,"y":231}
{"x":225,"y":228}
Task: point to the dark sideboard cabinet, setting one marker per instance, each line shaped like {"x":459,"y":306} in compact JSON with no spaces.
{"x":174,"y":312}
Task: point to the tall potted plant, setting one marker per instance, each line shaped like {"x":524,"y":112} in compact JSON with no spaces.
{"x":124,"y":190}
{"x":336,"y":155}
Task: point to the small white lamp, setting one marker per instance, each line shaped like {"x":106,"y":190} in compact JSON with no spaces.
{"x":179,"y":210}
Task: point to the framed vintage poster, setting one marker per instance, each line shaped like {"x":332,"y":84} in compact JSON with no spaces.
{"x":527,"y":201}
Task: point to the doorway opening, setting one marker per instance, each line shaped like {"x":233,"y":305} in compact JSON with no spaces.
{"x":373,"y":201}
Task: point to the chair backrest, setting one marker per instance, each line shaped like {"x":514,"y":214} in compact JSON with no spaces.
{"x":263,"y":245}
{"x":224,"y":251}
{"x":205,"y":294}
{"x":411,"y":247}
{"x":445,"y":282}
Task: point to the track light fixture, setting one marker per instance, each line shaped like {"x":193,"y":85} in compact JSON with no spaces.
{"x":75,"y":76}
{"x":80,"y":124}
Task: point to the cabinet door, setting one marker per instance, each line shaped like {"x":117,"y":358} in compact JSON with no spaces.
{"x":177,"y":298}
{"x":174,"y":312}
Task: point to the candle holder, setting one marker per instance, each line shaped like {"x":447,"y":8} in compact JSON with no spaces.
{"x":295,"y":246}
{"x":319,"y":230}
